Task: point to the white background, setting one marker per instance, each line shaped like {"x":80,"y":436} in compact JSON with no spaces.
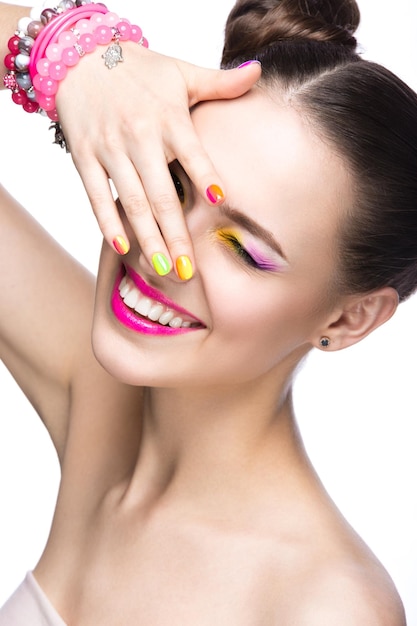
{"x":357,"y":409}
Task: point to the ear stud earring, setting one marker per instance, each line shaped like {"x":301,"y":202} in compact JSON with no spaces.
{"x":324,"y":342}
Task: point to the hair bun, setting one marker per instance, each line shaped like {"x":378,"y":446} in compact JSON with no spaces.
{"x":254,"y":24}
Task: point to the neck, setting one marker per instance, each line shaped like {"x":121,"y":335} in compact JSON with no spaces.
{"x":209,"y":446}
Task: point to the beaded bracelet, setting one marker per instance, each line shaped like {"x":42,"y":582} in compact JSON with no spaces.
{"x":42,"y":50}
{"x":18,"y":78}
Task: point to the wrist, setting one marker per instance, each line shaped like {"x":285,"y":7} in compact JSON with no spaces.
{"x":84,"y":78}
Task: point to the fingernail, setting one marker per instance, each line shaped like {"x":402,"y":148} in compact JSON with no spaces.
{"x":120,"y":245}
{"x":161,"y":264}
{"x":246,"y":63}
{"x":214,"y":194}
{"x":184,"y":267}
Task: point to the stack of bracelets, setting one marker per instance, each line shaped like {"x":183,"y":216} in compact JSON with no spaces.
{"x":50,"y":41}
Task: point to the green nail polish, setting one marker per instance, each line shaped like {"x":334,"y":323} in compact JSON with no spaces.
{"x":161,"y":264}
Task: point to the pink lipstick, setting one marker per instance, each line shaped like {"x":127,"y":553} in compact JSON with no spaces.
{"x":144,"y":309}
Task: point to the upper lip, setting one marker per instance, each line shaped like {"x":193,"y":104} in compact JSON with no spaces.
{"x":154,"y":294}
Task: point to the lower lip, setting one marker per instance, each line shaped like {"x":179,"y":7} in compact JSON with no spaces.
{"x":128,"y":318}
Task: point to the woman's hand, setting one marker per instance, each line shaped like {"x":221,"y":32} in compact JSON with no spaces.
{"x":127,"y":124}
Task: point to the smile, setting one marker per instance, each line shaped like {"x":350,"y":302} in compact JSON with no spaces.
{"x":144,"y":309}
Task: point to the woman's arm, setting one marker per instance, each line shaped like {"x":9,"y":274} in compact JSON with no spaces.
{"x":45,"y":315}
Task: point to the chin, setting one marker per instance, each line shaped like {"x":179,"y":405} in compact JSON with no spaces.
{"x":134,"y":365}
{"x":114,"y":358}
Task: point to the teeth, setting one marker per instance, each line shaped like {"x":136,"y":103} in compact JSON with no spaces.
{"x":155,"y":312}
{"x":146,"y":307}
{"x":124,"y":290}
{"x":176,"y":322}
{"x":143,"y":306}
{"x":166,"y":317}
{"x":131,"y":298}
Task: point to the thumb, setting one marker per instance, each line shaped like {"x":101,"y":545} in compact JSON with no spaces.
{"x":207,"y":84}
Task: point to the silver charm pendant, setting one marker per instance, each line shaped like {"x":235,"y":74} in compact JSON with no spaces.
{"x":113,"y":55}
{"x":59,"y":136}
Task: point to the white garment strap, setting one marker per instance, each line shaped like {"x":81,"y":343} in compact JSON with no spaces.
{"x":29,"y":606}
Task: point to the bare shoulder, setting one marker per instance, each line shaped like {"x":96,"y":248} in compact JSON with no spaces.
{"x":331,"y":577}
{"x":354,"y":594}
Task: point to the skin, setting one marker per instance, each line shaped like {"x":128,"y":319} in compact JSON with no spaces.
{"x":131,"y":149}
{"x":187,"y":496}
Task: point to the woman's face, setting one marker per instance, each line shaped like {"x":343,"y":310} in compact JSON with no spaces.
{"x":265,"y":260}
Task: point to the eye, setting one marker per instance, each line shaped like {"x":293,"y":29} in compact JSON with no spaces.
{"x":233,"y":242}
{"x":178,"y":187}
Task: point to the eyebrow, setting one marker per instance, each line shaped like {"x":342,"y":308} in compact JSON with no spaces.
{"x":252,"y":227}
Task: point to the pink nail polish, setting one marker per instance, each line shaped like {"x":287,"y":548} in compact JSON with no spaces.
{"x":215,"y":194}
{"x":246,"y":63}
{"x":120,"y":245}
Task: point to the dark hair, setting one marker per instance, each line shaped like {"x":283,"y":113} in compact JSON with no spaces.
{"x":368,"y":114}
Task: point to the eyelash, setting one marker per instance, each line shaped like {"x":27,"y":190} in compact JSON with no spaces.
{"x":234,"y":243}
{"x":228,"y":238}
{"x":178,"y":188}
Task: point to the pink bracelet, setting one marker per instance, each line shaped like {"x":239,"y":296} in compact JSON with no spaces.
{"x":36,"y":64}
{"x":66,"y":47}
{"x":55,"y":27}
{"x":17,"y":62}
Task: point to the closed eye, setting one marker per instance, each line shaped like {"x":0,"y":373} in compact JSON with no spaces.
{"x":234,"y":243}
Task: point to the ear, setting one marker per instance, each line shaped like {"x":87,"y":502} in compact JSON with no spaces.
{"x":358,"y":317}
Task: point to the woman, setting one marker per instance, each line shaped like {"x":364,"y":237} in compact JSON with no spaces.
{"x":186,"y":494}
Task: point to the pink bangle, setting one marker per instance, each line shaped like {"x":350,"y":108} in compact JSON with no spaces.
{"x":52,"y":68}
{"x":35,"y":65}
{"x":56,"y":26}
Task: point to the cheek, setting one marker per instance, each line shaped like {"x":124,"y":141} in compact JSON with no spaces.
{"x":250,"y":324}
{"x":257,"y":322}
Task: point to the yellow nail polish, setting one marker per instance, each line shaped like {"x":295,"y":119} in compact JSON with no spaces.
{"x":120,"y":245}
{"x":161,"y":264}
{"x":184,"y":267}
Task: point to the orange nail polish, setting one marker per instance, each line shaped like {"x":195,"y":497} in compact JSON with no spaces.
{"x":184,"y":267}
{"x":215,"y":194}
{"x":120,"y":245}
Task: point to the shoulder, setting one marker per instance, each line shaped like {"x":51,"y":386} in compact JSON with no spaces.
{"x":338,"y":580}
{"x":351,"y":596}
{"x":331,"y":576}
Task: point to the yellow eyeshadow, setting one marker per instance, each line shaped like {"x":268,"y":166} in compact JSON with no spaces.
{"x":229,"y":236}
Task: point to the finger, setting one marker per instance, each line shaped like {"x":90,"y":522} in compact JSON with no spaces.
{"x":97,"y":186}
{"x":155,"y":213}
{"x":138,"y":211}
{"x":188,"y":150}
{"x":208,"y":84}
